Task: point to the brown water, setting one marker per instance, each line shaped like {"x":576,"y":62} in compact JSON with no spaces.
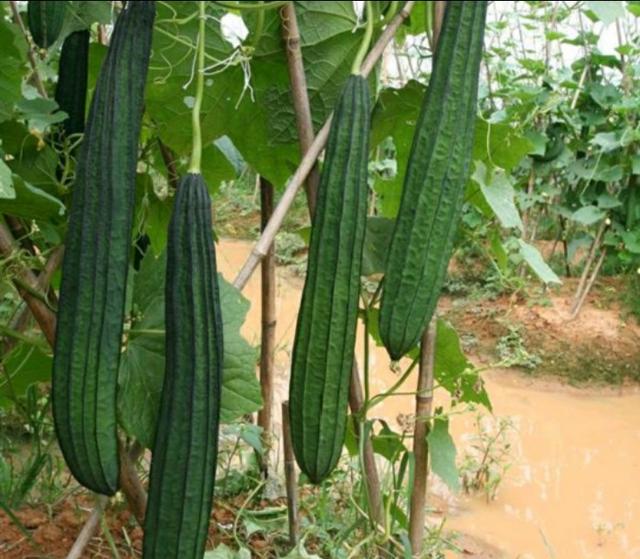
{"x":572,"y":490}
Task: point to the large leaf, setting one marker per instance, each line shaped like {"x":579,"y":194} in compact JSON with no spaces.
{"x":11,"y":63}
{"x":500,"y":145}
{"x":25,"y":365}
{"x":32,"y":203}
{"x":259,"y":120}
{"x":395,"y":115}
{"x":607,"y":12}
{"x":499,"y":193}
{"x":142,"y":365}
{"x":443,"y":453}
{"x":534,"y":259}
{"x":453,"y":371}
{"x":376,"y":245}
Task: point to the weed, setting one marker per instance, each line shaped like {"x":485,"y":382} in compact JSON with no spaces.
{"x":485,"y":464}
{"x":513,"y":353}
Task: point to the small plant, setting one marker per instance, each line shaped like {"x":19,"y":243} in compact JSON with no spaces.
{"x":513,"y":353}
{"x":486,"y":463}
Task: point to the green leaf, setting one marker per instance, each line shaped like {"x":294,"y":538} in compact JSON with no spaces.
{"x":534,"y":259}
{"x":499,"y":193}
{"x":6,"y":182}
{"x":24,"y":365}
{"x":395,"y":115}
{"x":142,"y":364}
{"x":33,"y":160}
{"x":588,"y":215}
{"x":608,"y":141}
{"x":32,"y":203}
{"x":607,"y":11}
{"x":40,"y":113}
{"x":260,"y":121}
{"x":11,"y":63}
{"x":453,"y":371}
{"x":387,"y":443}
{"x":443,"y":453}
{"x":376,"y":245}
{"x":635,"y":164}
{"x":499,"y":145}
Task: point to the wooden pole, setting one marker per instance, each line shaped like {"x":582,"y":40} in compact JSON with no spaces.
{"x":268,"y":324}
{"x":304,"y":123}
{"x":587,"y":267}
{"x":424,"y":402}
{"x":371,"y":477}
{"x":424,"y":393}
{"x":290,"y":476}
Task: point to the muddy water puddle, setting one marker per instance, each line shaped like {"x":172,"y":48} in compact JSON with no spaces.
{"x":571,"y":489}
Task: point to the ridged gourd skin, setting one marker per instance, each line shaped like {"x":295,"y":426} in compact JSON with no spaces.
{"x":186,"y":442}
{"x":435,"y":181}
{"x":71,"y":89}
{"x":45,"y":20}
{"x":94,"y":271}
{"x":325,"y":333}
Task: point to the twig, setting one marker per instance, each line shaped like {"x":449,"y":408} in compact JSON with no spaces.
{"x":32,"y":59}
{"x":89,"y":529}
{"x":268,"y":326}
{"x":262,"y":246}
{"x":130,"y":483}
{"x":169,"y":159}
{"x":290,"y":476}
{"x":20,"y":322}
{"x":42,"y":313}
{"x":304,"y":123}
{"x":424,"y":401}
{"x":93,"y":522}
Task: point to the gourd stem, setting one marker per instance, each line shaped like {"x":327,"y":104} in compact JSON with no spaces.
{"x":196,"y":150}
{"x":366,"y":41}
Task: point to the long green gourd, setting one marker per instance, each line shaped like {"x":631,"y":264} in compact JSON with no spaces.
{"x":185,"y":448}
{"x":98,"y":244}
{"x":435,"y":181}
{"x":71,"y":89}
{"x":45,"y":20}
{"x":325,"y":333}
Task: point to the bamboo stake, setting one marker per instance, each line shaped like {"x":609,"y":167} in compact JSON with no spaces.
{"x":371,"y":478}
{"x":592,"y":279}
{"x":424,"y":395}
{"x":587,"y":267}
{"x":290,"y":476}
{"x":424,"y":402}
{"x":89,"y":529}
{"x":260,"y":249}
{"x":268,"y":326}
{"x":304,"y":123}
